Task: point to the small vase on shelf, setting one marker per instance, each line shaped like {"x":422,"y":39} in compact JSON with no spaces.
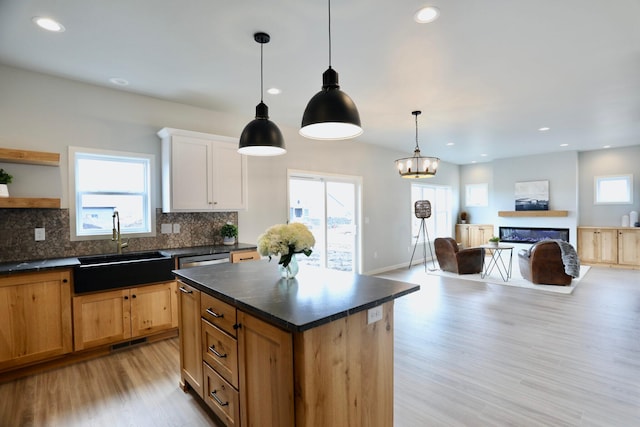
{"x":290,"y":271}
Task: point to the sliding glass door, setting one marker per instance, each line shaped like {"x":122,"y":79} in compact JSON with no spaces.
{"x":329,"y":206}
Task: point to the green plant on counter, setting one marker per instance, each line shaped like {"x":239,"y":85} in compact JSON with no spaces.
{"x":229,"y":230}
{"x":5,"y":178}
{"x":494,"y":239}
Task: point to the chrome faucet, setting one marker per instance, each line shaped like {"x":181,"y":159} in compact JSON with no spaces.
{"x":116,"y":236}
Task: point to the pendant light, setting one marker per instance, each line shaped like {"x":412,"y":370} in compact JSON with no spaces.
{"x":261,"y":137}
{"x":331,"y":114}
{"x":418,"y":166}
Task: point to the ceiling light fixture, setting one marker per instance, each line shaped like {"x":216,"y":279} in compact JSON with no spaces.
{"x":119,"y":81}
{"x":331,"y":114}
{"x":426,"y":15}
{"x":261,"y":137}
{"x":544,"y":129}
{"x":48,"y":24}
{"x":418,"y":166}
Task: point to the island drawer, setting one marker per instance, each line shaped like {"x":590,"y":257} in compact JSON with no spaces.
{"x":220,"y":351}
{"x":245,"y":256}
{"x":223,"y":399}
{"x":219,"y":313}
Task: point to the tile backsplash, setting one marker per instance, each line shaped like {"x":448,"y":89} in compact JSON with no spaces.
{"x":17,"y":239}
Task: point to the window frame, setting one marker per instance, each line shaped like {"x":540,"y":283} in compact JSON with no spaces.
{"x":627,"y":178}
{"x":149,"y":201}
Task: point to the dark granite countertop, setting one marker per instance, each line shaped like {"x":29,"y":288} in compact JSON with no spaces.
{"x":49,"y":263}
{"x":315,"y":297}
{"x":37,"y":265}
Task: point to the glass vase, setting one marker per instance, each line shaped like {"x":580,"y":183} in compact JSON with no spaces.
{"x":290,"y":271}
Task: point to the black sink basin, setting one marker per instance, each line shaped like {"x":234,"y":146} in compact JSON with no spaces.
{"x":103,"y":272}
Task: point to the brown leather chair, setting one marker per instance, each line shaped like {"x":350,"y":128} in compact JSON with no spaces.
{"x":542,"y":264}
{"x":459,"y":261}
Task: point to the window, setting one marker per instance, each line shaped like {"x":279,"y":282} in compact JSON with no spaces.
{"x":477,"y":195}
{"x":613,"y":189}
{"x":439,"y":224}
{"x":102,"y":182}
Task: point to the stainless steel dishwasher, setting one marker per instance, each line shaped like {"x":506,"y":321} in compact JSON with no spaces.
{"x":207,"y":259}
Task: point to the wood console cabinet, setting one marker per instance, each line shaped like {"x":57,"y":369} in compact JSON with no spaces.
{"x":35,"y":317}
{"x":109,"y":317}
{"x":611,"y":246}
{"x":470,"y":235}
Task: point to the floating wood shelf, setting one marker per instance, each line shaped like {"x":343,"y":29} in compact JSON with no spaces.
{"x":29,"y":202}
{"x":533,"y":213}
{"x":10,"y":155}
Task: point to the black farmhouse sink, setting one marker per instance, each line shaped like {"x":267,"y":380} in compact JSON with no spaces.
{"x":103,"y":272}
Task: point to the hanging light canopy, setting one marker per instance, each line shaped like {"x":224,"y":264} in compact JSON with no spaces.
{"x":418,"y":166}
{"x":331,"y":114}
{"x":261,"y":137}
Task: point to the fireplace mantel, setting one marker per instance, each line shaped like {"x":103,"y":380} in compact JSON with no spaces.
{"x":533,"y":213}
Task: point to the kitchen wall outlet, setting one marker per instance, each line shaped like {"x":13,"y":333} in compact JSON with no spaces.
{"x":39,"y":234}
{"x":176,"y":228}
{"x":165,"y":228}
{"x":374,"y":314}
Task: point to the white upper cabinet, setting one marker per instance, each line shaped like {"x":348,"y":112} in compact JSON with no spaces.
{"x":201,"y":172}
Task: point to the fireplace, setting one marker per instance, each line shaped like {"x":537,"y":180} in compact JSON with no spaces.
{"x":532,"y":234}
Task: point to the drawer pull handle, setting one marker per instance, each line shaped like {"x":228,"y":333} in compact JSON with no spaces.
{"x":214,"y":351}
{"x":214,"y":314}
{"x":185,"y":291}
{"x":217,"y":399}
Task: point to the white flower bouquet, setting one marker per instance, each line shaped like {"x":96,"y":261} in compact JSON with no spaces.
{"x":286,"y":240}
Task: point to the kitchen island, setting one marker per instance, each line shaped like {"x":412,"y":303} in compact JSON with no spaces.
{"x":315,"y":350}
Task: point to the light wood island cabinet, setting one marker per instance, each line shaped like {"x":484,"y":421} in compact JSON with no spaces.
{"x":316,"y":350}
{"x":35,"y":317}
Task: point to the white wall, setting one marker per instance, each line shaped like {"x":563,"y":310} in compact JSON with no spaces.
{"x":614,"y":161}
{"x":40,"y":112}
{"x":560,"y":169}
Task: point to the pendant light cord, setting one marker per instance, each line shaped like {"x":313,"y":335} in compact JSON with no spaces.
{"x":417,"y":147}
{"x":329,"y":2}
{"x":261,"y":78}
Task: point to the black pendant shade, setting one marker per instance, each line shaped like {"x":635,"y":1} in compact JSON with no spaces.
{"x":331,"y":114}
{"x":261,"y":137}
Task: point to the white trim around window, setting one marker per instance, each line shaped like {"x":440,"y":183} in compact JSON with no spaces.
{"x":613,"y":189}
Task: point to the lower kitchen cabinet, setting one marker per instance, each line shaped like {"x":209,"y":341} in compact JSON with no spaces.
{"x":109,"y":317}
{"x":35,"y":317}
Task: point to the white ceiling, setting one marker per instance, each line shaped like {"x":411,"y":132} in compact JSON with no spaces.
{"x":486,"y":74}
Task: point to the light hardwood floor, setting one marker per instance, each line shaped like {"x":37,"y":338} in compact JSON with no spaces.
{"x":466,"y":354}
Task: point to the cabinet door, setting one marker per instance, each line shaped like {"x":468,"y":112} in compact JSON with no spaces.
{"x":608,"y":246}
{"x":101,"y":318}
{"x":35,"y":317}
{"x":154,"y":308}
{"x":588,"y":245}
{"x":462,"y":235}
{"x":629,"y":247}
{"x":191,"y":180}
{"x":266,"y":374}
{"x":229,"y":170}
{"x":190,"y":338}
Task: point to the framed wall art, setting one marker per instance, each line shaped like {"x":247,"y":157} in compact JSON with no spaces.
{"x":532,"y":196}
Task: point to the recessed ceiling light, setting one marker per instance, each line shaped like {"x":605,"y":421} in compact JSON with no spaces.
{"x":48,"y":24}
{"x":426,"y":14}
{"x":483,"y":155}
{"x":606,"y":146}
{"x":118,"y":81}
{"x":274,"y":91}
{"x":451,"y":143}
{"x":473,"y":161}
{"x":544,"y":129}
{"x":564,"y":145}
